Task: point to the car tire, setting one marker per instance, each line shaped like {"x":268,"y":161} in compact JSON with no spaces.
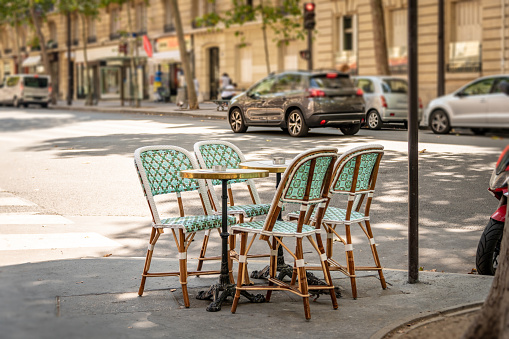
{"x":297,"y":126}
{"x":439,"y":122}
{"x":44,"y":105}
{"x":374,"y":120}
{"x":236,"y":121}
{"x":479,"y":131}
{"x":350,"y":129}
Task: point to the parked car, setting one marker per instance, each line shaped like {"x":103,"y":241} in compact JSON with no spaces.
{"x":297,"y":101}
{"x":25,"y":89}
{"x":479,"y":105}
{"x":386,"y":100}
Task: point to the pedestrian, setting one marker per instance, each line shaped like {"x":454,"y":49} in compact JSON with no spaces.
{"x":229,"y":92}
{"x":225,"y":80}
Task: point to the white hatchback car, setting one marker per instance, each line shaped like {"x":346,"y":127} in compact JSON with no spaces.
{"x":386,"y":100}
{"x":479,"y":105}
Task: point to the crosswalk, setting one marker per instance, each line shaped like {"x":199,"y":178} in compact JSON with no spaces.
{"x":18,"y":217}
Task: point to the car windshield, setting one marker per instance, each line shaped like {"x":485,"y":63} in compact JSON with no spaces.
{"x":36,"y":82}
{"x":395,"y":86}
{"x":330,"y":80}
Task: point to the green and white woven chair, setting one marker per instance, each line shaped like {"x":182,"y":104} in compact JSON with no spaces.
{"x":218,"y":152}
{"x":158,"y":169}
{"x":355,"y":177}
{"x":306,"y":182}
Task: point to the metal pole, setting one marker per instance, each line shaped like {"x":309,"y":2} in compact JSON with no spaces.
{"x":69,"y":62}
{"x":310,"y":49}
{"x":413,"y":184}
{"x":441,"y":49}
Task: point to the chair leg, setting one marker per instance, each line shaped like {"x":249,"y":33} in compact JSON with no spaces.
{"x":183,"y":266}
{"x":350,"y":261}
{"x":242,"y":268}
{"x":154,"y":235}
{"x":375,"y":254}
{"x":203,"y":250}
{"x":272,"y":266}
{"x":303,"y":281}
{"x":325,"y":268}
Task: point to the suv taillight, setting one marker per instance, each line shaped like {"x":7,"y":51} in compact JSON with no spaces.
{"x":384,"y":102}
{"x":315,"y":93}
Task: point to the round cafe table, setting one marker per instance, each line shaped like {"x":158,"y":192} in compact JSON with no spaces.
{"x":224,"y":286}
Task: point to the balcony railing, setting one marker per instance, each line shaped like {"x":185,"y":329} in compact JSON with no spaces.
{"x":91,"y":39}
{"x":169,"y":28}
{"x":456,"y":67}
{"x":7,"y":50}
{"x":52,"y":45}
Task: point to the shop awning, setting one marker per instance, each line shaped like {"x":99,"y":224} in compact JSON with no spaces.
{"x":167,"y":55}
{"x":31,"y":61}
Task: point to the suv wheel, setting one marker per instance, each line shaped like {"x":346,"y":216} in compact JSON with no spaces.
{"x":350,"y":129}
{"x":374,"y":120}
{"x":236,"y":120}
{"x":297,"y":126}
{"x":439,"y":122}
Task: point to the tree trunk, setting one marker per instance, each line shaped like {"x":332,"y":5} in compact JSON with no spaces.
{"x":493,"y":321}
{"x":379,"y":37}
{"x":42,"y":40}
{"x":16,"y":39}
{"x":132,"y":46}
{"x":191,"y":93}
{"x":84,"y":33}
{"x":265,"y":41}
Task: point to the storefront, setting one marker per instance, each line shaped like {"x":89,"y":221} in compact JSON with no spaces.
{"x":165,"y":64}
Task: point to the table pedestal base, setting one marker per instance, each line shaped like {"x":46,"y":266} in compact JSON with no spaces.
{"x":219,"y":293}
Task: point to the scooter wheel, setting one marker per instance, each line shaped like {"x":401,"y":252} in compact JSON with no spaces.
{"x":486,"y":259}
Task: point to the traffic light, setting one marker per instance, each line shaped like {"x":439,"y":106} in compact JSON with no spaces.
{"x":309,"y":15}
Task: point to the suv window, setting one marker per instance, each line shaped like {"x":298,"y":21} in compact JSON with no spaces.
{"x":288,"y":82}
{"x":479,"y":88}
{"x":394,"y":86}
{"x":12,"y":81}
{"x":496,"y":88}
{"x":36,"y":82}
{"x":263,"y":87}
{"x":366,"y":85}
{"x":331,"y":80}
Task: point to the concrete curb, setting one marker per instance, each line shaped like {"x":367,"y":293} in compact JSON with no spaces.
{"x":414,"y":321}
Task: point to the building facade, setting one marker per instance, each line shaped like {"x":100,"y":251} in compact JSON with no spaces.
{"x":475,"y":45}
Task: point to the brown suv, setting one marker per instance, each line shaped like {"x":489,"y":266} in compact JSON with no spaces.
{"x":297,"y":101}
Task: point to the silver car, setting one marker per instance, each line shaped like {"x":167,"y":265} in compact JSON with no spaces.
{"x":479,"y":105}
{"x":386,"y":100}
{"x":298,"y":101}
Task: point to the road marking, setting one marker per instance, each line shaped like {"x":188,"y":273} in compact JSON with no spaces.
{"x":10,"y":200}
{"x":13,"y":242}
{"x":33,"y":219}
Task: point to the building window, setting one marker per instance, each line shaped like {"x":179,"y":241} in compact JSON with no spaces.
{"x":141,"y":18}
{"x":244,"y":65}
{"x":397,"y":32}
{"x":75,"y":30}
{"x":169,"y":26}
{"x":466,"y":37}
{"x":346,"y":45}
{"x":92,"y":33}
{"x":114,"y":24}
{"x":202,"y":7}
{"x":53,"y":40}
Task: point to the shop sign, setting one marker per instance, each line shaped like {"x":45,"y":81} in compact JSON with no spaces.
{"x":171,"y":43}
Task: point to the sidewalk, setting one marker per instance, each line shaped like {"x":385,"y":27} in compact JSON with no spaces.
{"x":207,"y":109}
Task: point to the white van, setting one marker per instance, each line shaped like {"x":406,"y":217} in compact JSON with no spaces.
{"x":25,"y":89}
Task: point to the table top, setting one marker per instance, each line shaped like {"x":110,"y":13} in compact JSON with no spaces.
{"x":229,"y":173}
{"x":265,"y":165}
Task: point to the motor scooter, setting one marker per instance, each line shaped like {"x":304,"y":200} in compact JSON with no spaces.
{"x":488,"y":249}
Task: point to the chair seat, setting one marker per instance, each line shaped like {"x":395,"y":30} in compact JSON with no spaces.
{"x":249,"y":211}
{"x":281,"y":228}
{"x":195,"y":223}
{"x":334,"y":215}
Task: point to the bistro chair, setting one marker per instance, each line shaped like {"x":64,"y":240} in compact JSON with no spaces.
{"x":224,"y":153}
{"x":158,"y":169}
{"x":305,"y":182}
{"x":354,"y":178}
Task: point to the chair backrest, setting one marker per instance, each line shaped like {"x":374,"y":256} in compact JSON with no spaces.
{"x":218,"y":152}
{"x":306,"y":181}
{"x":159,"y":172}
{"x":355,"y":174}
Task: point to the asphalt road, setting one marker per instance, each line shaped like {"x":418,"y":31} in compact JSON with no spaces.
{"x":78,"y":166}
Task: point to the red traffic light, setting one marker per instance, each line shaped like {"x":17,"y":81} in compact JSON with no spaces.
{"x":309,"y":7}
